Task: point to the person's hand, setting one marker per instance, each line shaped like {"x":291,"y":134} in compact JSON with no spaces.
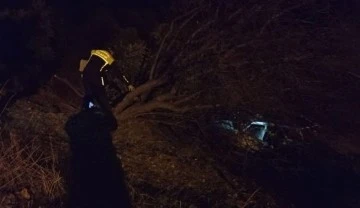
{"x":131,"y":88}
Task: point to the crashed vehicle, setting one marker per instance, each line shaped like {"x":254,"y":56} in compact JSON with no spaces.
{"x":253,"y":134}
{"x":263,"y":133}
{"x":257,"y":129}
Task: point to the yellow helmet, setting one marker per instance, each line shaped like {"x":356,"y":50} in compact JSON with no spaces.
{"x":106,"y":56}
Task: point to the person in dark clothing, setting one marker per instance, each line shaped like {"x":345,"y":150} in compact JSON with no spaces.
{"x":96,"y":177}
{"x":93,"y":73}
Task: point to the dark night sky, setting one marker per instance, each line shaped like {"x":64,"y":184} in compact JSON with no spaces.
{"x":141,"y":14}
{"x":15,"y":34}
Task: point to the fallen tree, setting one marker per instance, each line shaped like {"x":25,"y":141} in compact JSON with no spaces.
{"x":275,"y":60}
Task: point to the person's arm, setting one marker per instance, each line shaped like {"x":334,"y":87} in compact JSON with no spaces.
{"x":122,"y":77}
{"x":129,"y":85}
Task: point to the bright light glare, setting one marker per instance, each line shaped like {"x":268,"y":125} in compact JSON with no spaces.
{"x":91,"y":105}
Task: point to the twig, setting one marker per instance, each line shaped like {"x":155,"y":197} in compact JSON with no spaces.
{"x":3,"y":87}
{"x":65,"y":81}
{"x":153,"y":67}
{"x":249,"y":199}
{"x":234,"y":14}
{"x":199,"y":30}
{"x":276,"y":16}
{"x":181,"y":27}
{"x":355,"y":75}
{"x":187,"y":98}
{"x":192,"y":36}
{"x":7,"y":103}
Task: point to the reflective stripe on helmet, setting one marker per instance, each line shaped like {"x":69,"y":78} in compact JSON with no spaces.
{"x":104,"y":55}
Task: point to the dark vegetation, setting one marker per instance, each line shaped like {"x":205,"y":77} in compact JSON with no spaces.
{"x":291,"y":63}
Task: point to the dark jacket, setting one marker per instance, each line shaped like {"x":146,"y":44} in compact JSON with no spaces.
{"x":93,"y":81}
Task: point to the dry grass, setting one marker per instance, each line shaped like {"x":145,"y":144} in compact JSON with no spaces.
{"x":27,"y":174}
{"x":164,"y":171}
{"x":32,"y":149}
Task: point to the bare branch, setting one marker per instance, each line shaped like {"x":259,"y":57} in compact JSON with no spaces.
{"x":187,"y":98}
{"x":198,"y":108}
{"x":7,"y":103}
{"x":3,"y":87}
{"x":148,"y":107}
{"x":181,"y":27}
{"x":65,"y":81}
{"x":353,"y":74}
{"x":192,"y":36}
{"x":249,"y":199}
{"x":234,"y":14}
{"x":142,"y":89}
{"x":165,"y":97}
{"x":159,"y":105}
{"x":153,"y":67}
{"x":276,"y":16}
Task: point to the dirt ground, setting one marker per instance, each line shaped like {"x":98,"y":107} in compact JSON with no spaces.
{"x":173,"y":171}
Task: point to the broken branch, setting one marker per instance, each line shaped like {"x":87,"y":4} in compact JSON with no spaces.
{"x":142,"y":89}
{"x":65,"y":81}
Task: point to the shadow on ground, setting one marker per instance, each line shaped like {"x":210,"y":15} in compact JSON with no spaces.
{"x":304,"y":176}
{"x":297,"y":174}
{"x":96,"y":177}
{"x":311,"y":179}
